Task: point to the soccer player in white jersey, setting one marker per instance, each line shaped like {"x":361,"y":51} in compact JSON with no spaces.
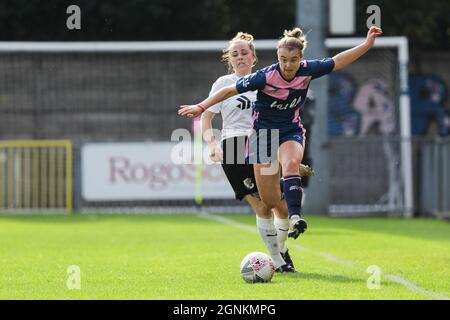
{"x":237,"y":121}
{"x":282,"y":89}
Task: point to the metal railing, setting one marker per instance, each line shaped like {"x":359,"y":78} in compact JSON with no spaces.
{"x":434,"y":186}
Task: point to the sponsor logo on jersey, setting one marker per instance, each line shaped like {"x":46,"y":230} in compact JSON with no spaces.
{"x":281,"y":106}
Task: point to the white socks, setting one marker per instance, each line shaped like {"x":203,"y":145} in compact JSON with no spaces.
{"x":282,"y":227}
{"x":269,"y":235}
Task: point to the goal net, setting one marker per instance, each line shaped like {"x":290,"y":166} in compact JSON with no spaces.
{"x":369,"y":131}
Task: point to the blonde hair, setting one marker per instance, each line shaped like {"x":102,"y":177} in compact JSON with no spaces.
{"x":240,"y":36}
{"x":293,"y":39}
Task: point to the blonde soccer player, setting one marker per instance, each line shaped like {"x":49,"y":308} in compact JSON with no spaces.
{"x":281,"y":92}
{"x":240,"y":57}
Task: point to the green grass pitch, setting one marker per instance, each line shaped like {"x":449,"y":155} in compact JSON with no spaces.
{"x":193,"y":257}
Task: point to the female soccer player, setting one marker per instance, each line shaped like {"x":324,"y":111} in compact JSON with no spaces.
{"x":236,"y":112}
{"x":282,"y":88}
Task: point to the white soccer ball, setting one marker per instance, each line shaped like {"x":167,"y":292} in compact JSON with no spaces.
{"x":257,"y":267}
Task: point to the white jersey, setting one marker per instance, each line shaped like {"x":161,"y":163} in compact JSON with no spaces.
{"x":236,"y":111}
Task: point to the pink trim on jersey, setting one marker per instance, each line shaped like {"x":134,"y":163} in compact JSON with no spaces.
{"x":296,"y":116}
{"x":277,"y":87}
{"x":281,"y":94}
{"x":300,"y":125}
{"x":275,"y":79}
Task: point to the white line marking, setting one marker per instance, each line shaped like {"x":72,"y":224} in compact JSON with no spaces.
{"x":344,"y":263}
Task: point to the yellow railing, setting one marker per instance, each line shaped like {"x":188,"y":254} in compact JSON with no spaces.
{"x":36,"y":174}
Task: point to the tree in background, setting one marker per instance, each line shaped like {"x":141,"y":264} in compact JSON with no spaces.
{"x":425,"y":23}
{"x":144,"y":19}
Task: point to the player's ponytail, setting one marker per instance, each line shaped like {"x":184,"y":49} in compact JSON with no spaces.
{"x":240,"y":36}
{"x":293,"y":39}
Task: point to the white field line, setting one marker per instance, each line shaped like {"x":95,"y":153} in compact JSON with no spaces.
{"x":344,"y":263}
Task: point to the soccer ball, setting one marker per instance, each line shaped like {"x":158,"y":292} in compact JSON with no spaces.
{"x":257,"y":267}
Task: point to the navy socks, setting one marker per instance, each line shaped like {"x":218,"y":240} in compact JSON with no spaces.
{"x":293,"y":193}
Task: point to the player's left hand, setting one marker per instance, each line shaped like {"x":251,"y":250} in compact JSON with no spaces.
{"x":190,"y":111}
{"x":372,"y":34}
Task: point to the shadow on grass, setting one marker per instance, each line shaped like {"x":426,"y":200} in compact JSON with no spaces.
{"x":427,"y":229}
{"x":101,"y":218}
{"x":417,"y":228}
{"x":320,"y":277}
{"x":330,"y":233}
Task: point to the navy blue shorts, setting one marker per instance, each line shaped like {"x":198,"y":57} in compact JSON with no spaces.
{"x":263,"y":144}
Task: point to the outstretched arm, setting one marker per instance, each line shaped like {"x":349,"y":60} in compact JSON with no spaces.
{"x":195,"y":110}
{"x":345,"y":58}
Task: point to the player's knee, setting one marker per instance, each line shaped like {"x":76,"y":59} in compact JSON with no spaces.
{"x":290,"y":166}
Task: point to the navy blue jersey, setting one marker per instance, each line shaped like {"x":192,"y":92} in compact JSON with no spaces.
{"x":279,"y":101}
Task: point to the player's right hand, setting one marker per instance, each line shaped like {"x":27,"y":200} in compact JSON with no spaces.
{"x":190,"y":111}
